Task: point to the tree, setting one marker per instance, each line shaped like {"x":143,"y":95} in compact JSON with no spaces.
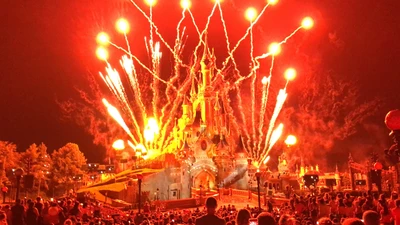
{"x":29,"y":159}
{"x":9,"y":159}
{"x":37,"y":162}
{"x":68,"y":161}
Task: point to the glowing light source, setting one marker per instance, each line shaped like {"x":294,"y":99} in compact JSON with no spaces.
{"x":307,"y":23}
{"x":272,"y":2}
{"x":290,"y":74}
{"x":274,"y":48}
{"x":140,"y":148}
{"x":150,"y":3}
{"x":152,"y":124}
{"x":255,"y":164}
{"x":118,"y":145}
{"x":251,"y":14}
{"x":186,"y":4}
{"x":102,"y":53}
{"x":148,"y":135}
{"x":267,"y":159}
{"x":122,"y":26}
{"x":103,"y":38}
{"x":264,"y":80}
{"x":291,"y":140}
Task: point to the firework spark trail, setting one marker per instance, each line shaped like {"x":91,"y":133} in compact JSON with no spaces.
{"x":144,"y":66}
{"x":151,"y":29}
{"x":118,"y":118}
{"x":240,"y":109}
{"x":175,"y":106}
{"x":178,"y":48}
{"x":202,"y":33}
{"x":265,"y":96}
{"x":253,"y":90}
{"x":281,"y":98}
{"x":263,"y":56}
{"x":158,"y":33}
{"x":228,"y":44}
{"x":114,"y":81}
{"x":195,"y":24}
{"x":177,"y":41}
{"x":229,"y":110}
{"x":276,"y":134}
{"x":264,"y":101}
{"x":230,"y":57}
{"x":156,"y":56}
{"x":130,"y":70}
{"x":178,"y":99}
{"x":291,"y":35}
{"x":127,"y":44}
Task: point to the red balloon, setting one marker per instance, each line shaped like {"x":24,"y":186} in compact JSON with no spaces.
{"x":378,"y":166}
{"x":392,"y":120}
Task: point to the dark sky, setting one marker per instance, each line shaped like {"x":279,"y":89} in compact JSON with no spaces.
{"x":47,"y":49}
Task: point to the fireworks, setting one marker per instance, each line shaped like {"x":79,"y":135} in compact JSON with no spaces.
{"x":151,"y":118}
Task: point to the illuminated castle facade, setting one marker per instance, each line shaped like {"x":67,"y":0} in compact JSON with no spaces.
{"x":202,"y":137}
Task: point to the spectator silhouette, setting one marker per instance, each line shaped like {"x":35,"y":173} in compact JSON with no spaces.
{"x":210,"y":218}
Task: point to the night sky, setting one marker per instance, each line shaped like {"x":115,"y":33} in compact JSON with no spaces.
{"x":47,"y":50}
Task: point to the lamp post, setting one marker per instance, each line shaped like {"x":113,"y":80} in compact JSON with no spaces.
{"x":18,"y":174}
{"x":140,"y":177}
{"x":258,"y":176}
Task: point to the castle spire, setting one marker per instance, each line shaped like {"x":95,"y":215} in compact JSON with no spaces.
{"x":217,"y":106}
{"x":192,"y":91}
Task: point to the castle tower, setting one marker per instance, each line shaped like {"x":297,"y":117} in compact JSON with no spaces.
{"x":186,"y":183}
{"x":207,"y":70}
{"x":218,"y":121}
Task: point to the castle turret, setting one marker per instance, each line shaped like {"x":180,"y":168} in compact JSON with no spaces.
{"x":207,"y":67}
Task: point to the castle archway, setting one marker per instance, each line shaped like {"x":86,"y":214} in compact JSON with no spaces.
{"x":204,"y":174}
{"x":204,"y":179}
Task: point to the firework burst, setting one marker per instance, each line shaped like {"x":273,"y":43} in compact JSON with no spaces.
{"x":151,"y":122}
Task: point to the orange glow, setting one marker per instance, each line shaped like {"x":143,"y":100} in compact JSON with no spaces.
{"x":103,"y":38}
{"x":267,"y":159}
{"x":148,"y":135}
{"x":274,"y":48}
{"x":264,"y":80}
{"x":251,"y":14}
{"x":290,"y":74}
{"x":291,"y":140}
{"x":186,"y":4}
{"x":102,"y":53}
{"x":118,"y":145}
{"x":255,"y":164}
{"x":140,"y":148}
{"x":150,"y":3}
{"x":122,"y":26}
{"x":272,"y":2}
{"x":307,"y":23}
{"x":152,"y":124}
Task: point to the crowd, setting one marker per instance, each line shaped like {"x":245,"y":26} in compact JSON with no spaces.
{"x":328,"y":209}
